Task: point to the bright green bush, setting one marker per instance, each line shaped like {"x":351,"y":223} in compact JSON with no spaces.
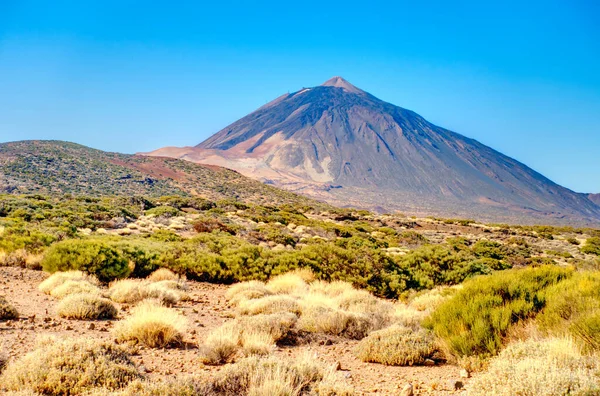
{"x":478,"y":317}
{"x":573,"y":307}
{"x":592,"y":246}
{"x":163,"y":211}
{"x":96,"y":257}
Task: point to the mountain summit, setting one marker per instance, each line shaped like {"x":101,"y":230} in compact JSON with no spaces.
{"x":341,"y":144}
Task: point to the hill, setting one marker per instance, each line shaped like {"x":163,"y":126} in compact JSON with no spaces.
{"x":55,"y":167}
{"x":339,"y":143}
{"x":595,"y":198}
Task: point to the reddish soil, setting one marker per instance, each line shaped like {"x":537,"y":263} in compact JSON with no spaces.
{"x":206,"y":310}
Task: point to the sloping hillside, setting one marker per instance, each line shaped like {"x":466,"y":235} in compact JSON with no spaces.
{"x":51,"y":167}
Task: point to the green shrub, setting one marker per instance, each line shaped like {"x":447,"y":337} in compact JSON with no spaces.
{"x":96,"y":257}
{"x":163,"y":211}
{"x":573,"y":307}
{"x":592,"y":246}
{"x":478,"y":317}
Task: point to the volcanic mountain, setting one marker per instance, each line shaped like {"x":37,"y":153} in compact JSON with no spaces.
{"x":341,"y":144}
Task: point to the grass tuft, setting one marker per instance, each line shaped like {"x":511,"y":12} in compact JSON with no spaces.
{"x":152,"y":325}
{"x":86,"y":307}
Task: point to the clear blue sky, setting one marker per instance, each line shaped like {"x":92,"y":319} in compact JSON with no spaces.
{"x":520,"y":76}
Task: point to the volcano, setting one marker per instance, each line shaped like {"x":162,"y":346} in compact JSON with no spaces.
{"x":338,"y":143}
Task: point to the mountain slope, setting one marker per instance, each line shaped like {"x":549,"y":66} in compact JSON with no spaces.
{"x":595,"y":198}
{"x":54,"y":167}
{"x":339,"y":143}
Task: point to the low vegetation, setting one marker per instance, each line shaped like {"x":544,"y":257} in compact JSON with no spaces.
{"x":549,"y":367}
{"x":152,"y":325}
{"x":86,"y":307}
{"x":397,"y":346}
{"x":476,"y":320}
{"x":69,"y":368}
{"x":7,"y":311}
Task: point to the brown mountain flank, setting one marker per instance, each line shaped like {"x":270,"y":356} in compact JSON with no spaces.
{"x":339,"y":143}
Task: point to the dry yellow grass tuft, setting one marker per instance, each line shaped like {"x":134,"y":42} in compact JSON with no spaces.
{"x":152,"y":325}
{"x":74,"y":287}
{"x":86,"y":307}
{"x":162,"y":274}
{"x":132,"y":291}
{"x":293,"y":283}
{"x":335,"y":322}
{"x":247,"y":291}
{"x":7,"y":311}
{"x":69,"y":368}
{"x":269,"y":305}
{"x":221,"y":345}
{"x":274,"y":376}
{"x":397,"y":346}
{"x":256,"y":342}
{"x":540,"y":367}
{"x":58,"y":278}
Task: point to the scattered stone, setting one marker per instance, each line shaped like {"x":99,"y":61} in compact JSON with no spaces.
{"x":92,"y":326}
{"x":456,"y":385}
{"x":338,"y":366}
{"x":407,"y":390}
{"x":464,"y":374}
{"x":429,"y":362}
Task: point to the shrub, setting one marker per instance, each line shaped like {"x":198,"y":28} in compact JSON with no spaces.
{"x":477,"y":318}
{"x":221,"y":344}
{"x":255,"y":342}
{"x":335,"y":322}
{"x":74,"y":287}
{"x":86,"y":307}
{"x":58,"y":278}
{"x":550,"y":367}
{"x":573,"y":308}
{"x":163,"y":211}
{"x":275,"y":376}
{"x":92,"y":256}
{"x":7,"y":311}
{"x":70,"y":367}
{"x":178,"y":386}
{"x":289,"y":283}
{"x":132,"y":291}
{"x":162,"y":274}
{"x":592,"y":246}
{"x":397,"y":346}
{"x":269,"y":305}
{"x":152,"y":325}
{"x":247,"y":291}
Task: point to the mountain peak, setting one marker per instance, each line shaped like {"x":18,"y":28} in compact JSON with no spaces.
{"x":339,"y":82}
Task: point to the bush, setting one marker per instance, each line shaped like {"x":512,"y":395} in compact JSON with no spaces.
{"x":86,"y":307}
{"x":397,"y":346}
{"x":162,"y":274}
{"x":74,"y":287}
{"x":550,"y":367}
{"x":70,"y":367}
{"x":7,"y":311}
{"x":163,"y":211}
{"x":132,"y":291}
{"x":573,"y":308}
{"x":152,"y":325}
{"x":221,"y":345}
{"x":57,"y":279}
{"x":92,"y":256}
{"x":592,"y":246}
{"x":477,"y":318}
{"x":274,"y":376}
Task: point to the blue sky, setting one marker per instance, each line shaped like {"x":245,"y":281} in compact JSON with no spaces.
{"x":521,"y":77}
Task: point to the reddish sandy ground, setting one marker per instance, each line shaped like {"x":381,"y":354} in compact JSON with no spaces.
{"x":206,"y":310}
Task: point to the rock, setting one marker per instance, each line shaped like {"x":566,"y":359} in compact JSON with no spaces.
{"x":464,"y":374}
{"x":456,"y":385}
{"x":428,"y":362}
{"x":407,"y":390}
{"x":92,"y":326}
{"x":338,"y":366}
